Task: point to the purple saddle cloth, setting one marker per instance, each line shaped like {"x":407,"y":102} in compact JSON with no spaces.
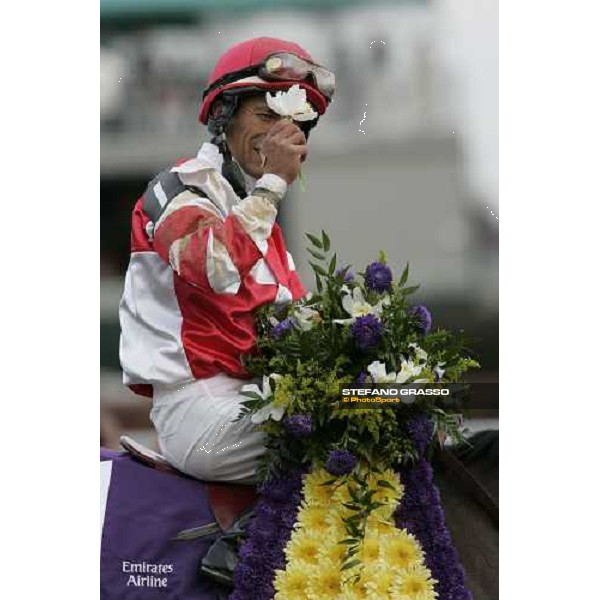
{"x":142,"y":510}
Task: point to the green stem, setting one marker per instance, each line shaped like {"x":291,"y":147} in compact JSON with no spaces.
{"x":301,"y":181}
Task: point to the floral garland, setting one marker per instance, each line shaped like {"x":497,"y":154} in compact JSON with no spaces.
{"x":407,"y":552}
{"x":358,"y":517}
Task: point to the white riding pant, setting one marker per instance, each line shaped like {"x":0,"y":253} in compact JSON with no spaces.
{"x":196,"y":432}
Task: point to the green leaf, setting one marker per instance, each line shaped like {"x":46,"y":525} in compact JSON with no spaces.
{"x":366,"y":500}
{"x":351,"y":564}
{"x":352,"y":520}
{"x":315,"y":241}
{"x":252,"y":395}
{"x":318,"y":269}
{"x":317,"y":255}
{"x":332,"y":264}
{"x":352,"y":529}
{"x":404,"y":276}
{"x":410,"y":290}
{"x":385,"y":484}
{"x":382,"y":257}
{"x":326,"y":243}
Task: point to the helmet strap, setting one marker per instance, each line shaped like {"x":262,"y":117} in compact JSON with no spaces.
{"x":230,"y":170}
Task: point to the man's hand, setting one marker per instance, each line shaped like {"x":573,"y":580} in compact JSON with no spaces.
{"x":284,"y":149}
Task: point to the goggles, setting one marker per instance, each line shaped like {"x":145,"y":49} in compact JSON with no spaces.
{"x":283,"y":66}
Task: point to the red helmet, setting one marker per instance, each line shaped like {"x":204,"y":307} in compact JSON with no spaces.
{"x":235,"y":70}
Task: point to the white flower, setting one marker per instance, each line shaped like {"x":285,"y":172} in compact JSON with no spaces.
{"x":355,"y":305}
{"x":291,"y":104}
{"x":305,"y":317}
{"x":270,"y":411}
{"x":267,"y":412}
{"x":419,"y":352}
{"x":378,"y":373}
{"x":438,"y":371}
{"x":408,"y":370}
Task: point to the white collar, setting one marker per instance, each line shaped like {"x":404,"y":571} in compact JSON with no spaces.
{"x":209,"y":153}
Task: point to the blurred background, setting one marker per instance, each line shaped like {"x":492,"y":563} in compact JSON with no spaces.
{"x":405,"y":161}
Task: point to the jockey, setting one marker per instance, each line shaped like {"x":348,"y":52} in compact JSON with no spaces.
{"x":206,"y":252}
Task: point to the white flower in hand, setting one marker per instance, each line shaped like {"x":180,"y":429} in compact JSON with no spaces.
{"x":270,"y":411}
{"x":292,"y":104}
{"x":355,"y":305}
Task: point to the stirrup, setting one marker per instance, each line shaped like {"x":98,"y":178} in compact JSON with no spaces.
{"x":221,"y":559}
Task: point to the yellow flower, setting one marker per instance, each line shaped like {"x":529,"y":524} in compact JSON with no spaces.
{"x":331,"y":549}
{"x":291,"y":584}
{"x":369,"y":549}
{"x":384,"y":512}
{"x":314,"y":491}
{"x":352,"y":594}
{"x":379,"y":581}
{"x":324,"y":582}
{"x":414,"y":583}
{"x":384,"y":493}
{"x":335,"y":523}
{"x":313,"y":518}
{"x":303,"y":547}
{"x":401,"y":549}
{"x":342,"y":493}
{"x":357,"y":589}
{"x":380,"y":526}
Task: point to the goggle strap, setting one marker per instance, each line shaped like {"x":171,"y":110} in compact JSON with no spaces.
{"x":231,"y":78}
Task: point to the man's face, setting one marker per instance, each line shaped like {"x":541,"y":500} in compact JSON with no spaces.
{"x":250,"y":124}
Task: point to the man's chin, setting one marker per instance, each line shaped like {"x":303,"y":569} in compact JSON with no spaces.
{"x":252,"y":167}
{"x":254,"y":170}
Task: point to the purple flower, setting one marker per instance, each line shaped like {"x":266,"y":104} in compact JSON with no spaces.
{"x":366,"y":331}
{"x":420,"y":431}
{"x":420,"y":512}
{"x":262,"y":551}
{"x":278,"y":489}
{"x":378,"y":277}
{"x":298,"y":426}
{"x":340,"y":462}
{"x":423,"y":318}
{"x":281,"y":328}
{"x":289,"y":514}
{"x":361,"y":378}
{"x":348,"y":277}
